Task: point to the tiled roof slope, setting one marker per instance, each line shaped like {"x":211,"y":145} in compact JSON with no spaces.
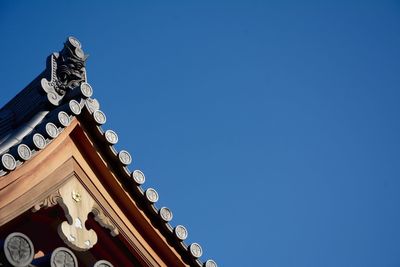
{"x":36,"y":116}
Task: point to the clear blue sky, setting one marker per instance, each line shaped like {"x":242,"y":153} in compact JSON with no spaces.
{"x":270,"y":128}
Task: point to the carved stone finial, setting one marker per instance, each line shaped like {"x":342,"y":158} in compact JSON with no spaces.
{"x":70,"y":66}
{"x":67,"y":70}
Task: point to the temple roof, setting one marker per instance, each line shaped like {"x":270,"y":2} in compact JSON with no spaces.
{"x":37,"y":115}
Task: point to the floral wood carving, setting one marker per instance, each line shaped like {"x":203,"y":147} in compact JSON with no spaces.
{"x":103,"y":220}
{"x":48,"y":202}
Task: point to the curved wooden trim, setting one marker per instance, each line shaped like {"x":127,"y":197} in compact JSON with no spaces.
{"x":73,"y":153}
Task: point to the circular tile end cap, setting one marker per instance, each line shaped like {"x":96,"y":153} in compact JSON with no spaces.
{"x":151,"y":195}
{"x":111,"y":137}
{"x":39,"y":141}
{"x":74,"y":41}
{"x":18,"y":249}
{"x":99,"y":117}
{"x":51,"y":130}
{"x":124,"y":157}
{"x":86,"y":90}
{"x":24,"y":152}
{"x":196,"y":250}
{"x":8,"y":161}
{"x":62,"y":255}
{"x":165,"y":214}
{"x":138,"y":177}
{"x":181,"y":232}
{"x":75,"y":107}
{"x":64,"y":118}
{"x":210,"y":263}
{"x":103,"y":263}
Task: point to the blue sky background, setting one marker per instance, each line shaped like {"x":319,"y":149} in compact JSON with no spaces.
{"x":270,"y":128}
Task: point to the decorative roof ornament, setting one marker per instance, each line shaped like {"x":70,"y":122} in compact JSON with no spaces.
{"x":67,"y":71}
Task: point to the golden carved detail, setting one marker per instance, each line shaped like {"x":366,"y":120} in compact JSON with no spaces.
{"x":76,"y":196}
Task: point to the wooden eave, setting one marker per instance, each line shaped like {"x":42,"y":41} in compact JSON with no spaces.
{"x":75,"y":153}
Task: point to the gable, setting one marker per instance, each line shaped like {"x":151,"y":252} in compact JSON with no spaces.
{"x":61,"y":156}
